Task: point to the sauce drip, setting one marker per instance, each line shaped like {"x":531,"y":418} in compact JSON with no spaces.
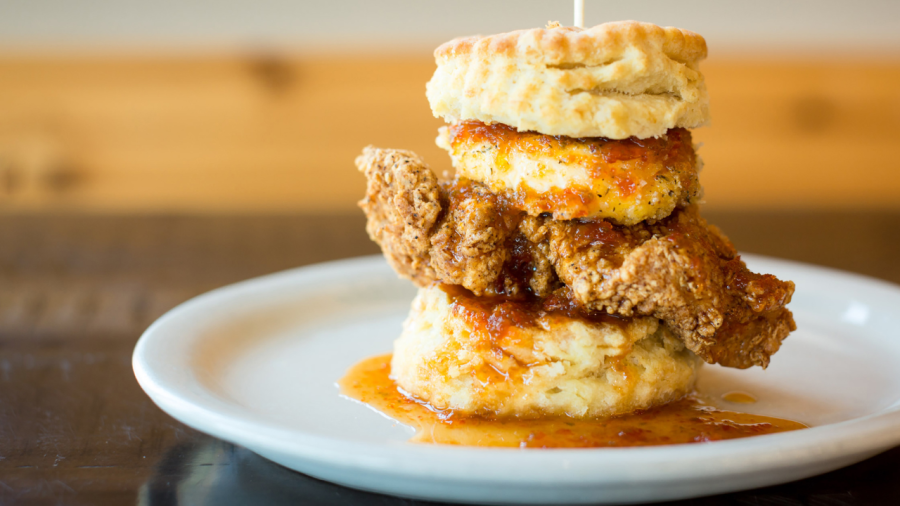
{"x":739,"y":398}
{"x":496,"y":314}
{"x":686,"y":421}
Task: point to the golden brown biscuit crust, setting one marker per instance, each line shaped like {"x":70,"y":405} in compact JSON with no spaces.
{"x":580,"y":46}
{"x":615,"y":80}
{"x":553,"y":365}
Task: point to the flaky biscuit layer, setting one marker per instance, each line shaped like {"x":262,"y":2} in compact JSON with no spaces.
{"x":615,"y":80}
{"x":558,"y":366}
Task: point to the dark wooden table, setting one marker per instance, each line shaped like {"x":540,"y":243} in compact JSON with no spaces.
{"x":77,"y":291}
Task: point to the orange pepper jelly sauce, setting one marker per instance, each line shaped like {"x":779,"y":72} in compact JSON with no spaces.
{"x":686,"y":421}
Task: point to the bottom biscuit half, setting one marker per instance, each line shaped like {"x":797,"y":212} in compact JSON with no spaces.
{"x":505,"y":358}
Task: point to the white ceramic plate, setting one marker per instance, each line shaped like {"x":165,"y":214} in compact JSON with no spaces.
{"x":256,"y":363}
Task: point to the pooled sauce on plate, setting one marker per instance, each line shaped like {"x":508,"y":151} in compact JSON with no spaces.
{"x":686,"y":421}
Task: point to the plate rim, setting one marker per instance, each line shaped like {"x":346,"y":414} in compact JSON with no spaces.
{"x":867,"y":434}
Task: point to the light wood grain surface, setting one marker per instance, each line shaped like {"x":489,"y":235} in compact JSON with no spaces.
{"x":279,"y":134}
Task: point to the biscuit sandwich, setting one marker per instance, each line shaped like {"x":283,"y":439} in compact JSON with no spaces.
{"x":565,"y":269}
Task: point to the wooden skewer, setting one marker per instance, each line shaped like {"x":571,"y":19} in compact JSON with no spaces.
{"x":579,"y":13}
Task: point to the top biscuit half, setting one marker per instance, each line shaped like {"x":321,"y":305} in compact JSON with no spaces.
{"x":615,"y":80}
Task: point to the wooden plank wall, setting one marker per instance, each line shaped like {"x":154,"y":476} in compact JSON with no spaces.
{"x":279,"y":134}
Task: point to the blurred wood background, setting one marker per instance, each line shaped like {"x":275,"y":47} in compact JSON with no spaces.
{"x":269,"y":133}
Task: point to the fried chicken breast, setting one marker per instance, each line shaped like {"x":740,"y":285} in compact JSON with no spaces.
{"x":678,"y":269}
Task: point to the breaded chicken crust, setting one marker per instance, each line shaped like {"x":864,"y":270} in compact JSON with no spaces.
{"x":679,"y":269}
